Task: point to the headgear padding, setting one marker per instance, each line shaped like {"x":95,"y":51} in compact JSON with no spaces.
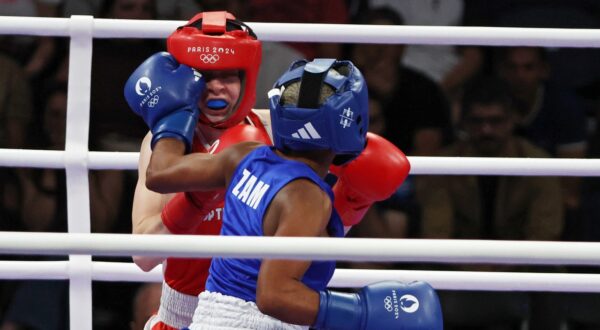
{"x":217,"y":41}
{"x":339,"y":123}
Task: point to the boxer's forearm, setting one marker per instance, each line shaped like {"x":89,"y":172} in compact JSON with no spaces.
{"x":163,"y":168}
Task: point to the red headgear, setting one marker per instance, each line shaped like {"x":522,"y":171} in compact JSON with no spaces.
{"x":217,"y":41}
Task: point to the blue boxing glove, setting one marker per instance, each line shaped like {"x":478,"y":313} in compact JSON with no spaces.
{"x":165,"y":93}
{"x":382,"y":305}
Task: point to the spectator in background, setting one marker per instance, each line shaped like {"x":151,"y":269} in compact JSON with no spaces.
{"x":489,"y":207}
{"x":36,"y":53}
{"x":111,"y":127}
{"x":449,"y":66}
{"x":551,"y":116}
{"x":588,"y":226}
{"x":303,"y":11}
{"x":145,"y":304}
{"x":16,"y":112}
{"x":177,"y":9}
{"x":16,"y":107}
{"x":279,"y":54}
{"x":38,"y":305}
{"x":166,"y":10}
{"x":414,"y":107}
{"x":576,"y":310}
{"x":44,"y":190}
{"x":43,"y":208}
{"x":573,"y":67}
{"x":43,"y":205}
{"x":392,"y":218}
{"x":450,"y":207}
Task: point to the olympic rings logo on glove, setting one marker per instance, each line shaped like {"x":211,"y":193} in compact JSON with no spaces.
{"x":209,"y":58}
{"x":387,"y":303}
{"x":153,"y":101}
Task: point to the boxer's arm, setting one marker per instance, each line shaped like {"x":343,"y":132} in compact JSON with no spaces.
{"x":170,"y":170}
{"x":180,"y":215}
{"x":147,"y":207}
{"x":301,"y":209}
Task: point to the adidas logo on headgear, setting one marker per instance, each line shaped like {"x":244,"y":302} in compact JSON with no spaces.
{"x":308,"y":132}
{"x":197,"y":74}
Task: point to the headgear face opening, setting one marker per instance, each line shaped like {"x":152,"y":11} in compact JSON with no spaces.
{"x":217,"y":41}
{"x":339,"y":123}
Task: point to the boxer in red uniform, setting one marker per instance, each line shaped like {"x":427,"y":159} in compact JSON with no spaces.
{"x":226,"y":101}
{"x":225,"y":54}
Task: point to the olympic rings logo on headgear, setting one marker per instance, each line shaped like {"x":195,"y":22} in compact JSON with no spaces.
{"x":387,"y":303}
{"x":209,"y":58}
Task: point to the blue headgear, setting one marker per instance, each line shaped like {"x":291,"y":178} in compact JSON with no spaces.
{"x":340,"y":123}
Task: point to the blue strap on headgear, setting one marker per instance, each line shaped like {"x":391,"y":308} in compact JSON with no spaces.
{"x":340,"y":123}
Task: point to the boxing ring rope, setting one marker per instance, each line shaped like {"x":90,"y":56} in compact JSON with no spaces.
{"x":96,"y":160}
{"x":103,"y":160}
{"x":305,"y":248}
{"x":77,"y":160}
{"x":406,"y":34}
{"x":343,"y":278}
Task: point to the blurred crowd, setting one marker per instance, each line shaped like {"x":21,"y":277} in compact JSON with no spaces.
{"x":467,"y":101}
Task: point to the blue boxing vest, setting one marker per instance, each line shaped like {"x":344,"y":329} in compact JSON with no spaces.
{"x":254,"y":184}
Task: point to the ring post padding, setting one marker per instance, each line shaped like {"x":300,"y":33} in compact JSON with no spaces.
{"x":76,"y":152}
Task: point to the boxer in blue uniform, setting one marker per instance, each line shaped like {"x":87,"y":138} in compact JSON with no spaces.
{"x":319,"y":115}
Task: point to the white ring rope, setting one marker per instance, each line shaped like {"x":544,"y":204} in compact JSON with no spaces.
{"x":504,"y":166}
{"x":100,"y":160}
{"x":59,"y":270}
{"x":349,"y":33}
{"x":342,"y":278}
{"x":97,"y":160}
{"x":305,"y":248}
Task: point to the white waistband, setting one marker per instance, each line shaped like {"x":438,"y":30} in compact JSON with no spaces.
{"x":218,"y":312}
{"x":176,"y":309}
